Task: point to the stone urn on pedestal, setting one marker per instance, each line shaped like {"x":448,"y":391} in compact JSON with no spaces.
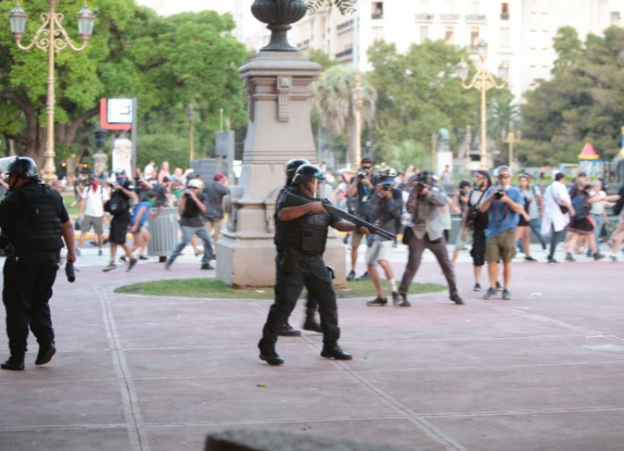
{"x":279,"y":85}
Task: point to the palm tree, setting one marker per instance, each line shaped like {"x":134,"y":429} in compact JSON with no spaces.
{"x":503,"y":116}
{"x":335,"y":100}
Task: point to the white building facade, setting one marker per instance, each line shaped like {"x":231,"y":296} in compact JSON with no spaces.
{"x":519,"y":32}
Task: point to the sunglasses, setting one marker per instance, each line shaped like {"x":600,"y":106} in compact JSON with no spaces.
{"x":367,"y":167}
{"x":504,"y":176}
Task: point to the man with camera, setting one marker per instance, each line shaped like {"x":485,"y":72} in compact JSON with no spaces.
{"x":361,"y":189}
{"x":191,"y":206}
{"x":426,"y":232}
{"x":384,"y":210}
{"x":35,"y":222}
{"x":505,"y":204}
{"x":475,"y":221}
{"x":119,"y":207}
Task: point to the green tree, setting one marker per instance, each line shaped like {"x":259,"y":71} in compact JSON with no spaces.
{"x":166,"y":62}
{"x":419,"y":93}
{"x":409,"y":153}
{"x":583,"y":102}
{"x":335,"y":99}
{"x":344,"y":6}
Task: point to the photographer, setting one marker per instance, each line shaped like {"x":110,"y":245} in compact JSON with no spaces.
{"x":426,"y":232}
{"x":505,"y":204}
{"x":119,"y":207}
{"x":361,"y":189}
{"x":191,"y":207}
{"x":383,"y":210}
{"x":475,"y":222}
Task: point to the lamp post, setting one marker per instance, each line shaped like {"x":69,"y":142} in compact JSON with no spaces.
{"x":483,"y":81}
{"x":357,"y":113}
{"x":51,"y":37}
{"x":511,"y":139}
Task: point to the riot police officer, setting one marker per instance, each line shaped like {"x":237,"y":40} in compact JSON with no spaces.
{"x":310,"y":322}
{"x":34,"y":220}
{"x":300,"y":237}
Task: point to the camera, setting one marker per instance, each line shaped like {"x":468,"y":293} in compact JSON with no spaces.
{"x":361,"y":175}
{"x":499,"y":193}
{"x":386,"y":187}
{"x":187,"y":194}
{"x":419,"y":186}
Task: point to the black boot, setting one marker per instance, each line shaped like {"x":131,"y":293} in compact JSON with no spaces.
{"x":45,"y":354}
{"x":288,"y":331}
{"x":456,"y":299}
{"x":333,"y":351}
{"x":269,"y":355}
{"x":13,"y":363}
{"x":310,"y":322}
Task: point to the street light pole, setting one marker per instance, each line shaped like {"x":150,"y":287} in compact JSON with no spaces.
{"x":51,"y":37}
{"x":511,"y":140}
{"x":483,"y":81}
{"x":357,"y":106}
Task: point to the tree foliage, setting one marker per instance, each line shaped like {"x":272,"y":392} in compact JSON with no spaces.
{"x":419,"y":93}
{"x":166,"y":62}
{"x":583,"y":102}
{"x":344,"y":6}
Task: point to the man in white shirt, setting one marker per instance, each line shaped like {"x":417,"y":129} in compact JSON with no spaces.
{"x":557,"y":211}
{"x":92,"y":212}
{"x":149,"y":172}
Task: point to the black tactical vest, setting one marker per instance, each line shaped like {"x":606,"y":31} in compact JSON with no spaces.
{"x":307,"y":234}
{"x":37,"y":225}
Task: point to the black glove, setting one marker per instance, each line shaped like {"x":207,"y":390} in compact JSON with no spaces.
{"x":70,"y":272}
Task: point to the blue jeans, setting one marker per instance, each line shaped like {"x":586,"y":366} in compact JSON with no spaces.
{"x":187,"y":234}
{"x":598,"y":220}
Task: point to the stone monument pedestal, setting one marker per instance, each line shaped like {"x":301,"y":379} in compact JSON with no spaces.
{"x":279,"y":87}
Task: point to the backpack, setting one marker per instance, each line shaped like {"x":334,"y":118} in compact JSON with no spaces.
{"x":117,"y":205}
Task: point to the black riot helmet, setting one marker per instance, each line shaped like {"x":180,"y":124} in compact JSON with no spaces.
{"x":307,"y":172}
{"x":291,"y":168}
{"x":23,"y":167}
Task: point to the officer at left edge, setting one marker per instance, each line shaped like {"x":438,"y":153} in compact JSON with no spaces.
{"x":35,"y":222}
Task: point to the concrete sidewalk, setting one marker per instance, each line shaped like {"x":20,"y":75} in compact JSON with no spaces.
{"x":541,"y":372}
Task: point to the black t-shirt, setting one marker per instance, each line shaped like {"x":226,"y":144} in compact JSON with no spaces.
{"x":192,"y":215}
{"x":118,"y":196}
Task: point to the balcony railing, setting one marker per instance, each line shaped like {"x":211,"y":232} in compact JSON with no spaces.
{"x":475,"y":18}
{"x":423,"y":17}
{"x":449,"y":17}
{"x":345,"y":26}
{"x":344,"y":54}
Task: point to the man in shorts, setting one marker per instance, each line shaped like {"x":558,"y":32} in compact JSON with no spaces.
{"x":384,"y":209}
{"x":119,"y":207}
{"x":504,"y":204}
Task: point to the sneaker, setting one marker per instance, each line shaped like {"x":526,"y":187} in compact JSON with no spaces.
{"x":498,"y":286}
{"x":112,"y":265}
{"x":364,"y":276}
{"x":351,"y":275}
{"x":569,"y":257}
{"x":490,"y":293}
{"x":404,"y":302}
{"x":506,"y":294}
{"x":143,"y":257}
{"x":377,"y":302}
{"x":132,"y":263}
{"x":168,"y":264}
{"x":100,"y":253}
{"x":395,"y":298}
{"x":598,"y":256}
{"x":613,"y":258}
{"x":528,"y":258}
{"x":123,"y":259}
{"x":477,"y":287}
{"x":552,"y":261}
{"x":13,"y":364}
{"x":206,"y":267}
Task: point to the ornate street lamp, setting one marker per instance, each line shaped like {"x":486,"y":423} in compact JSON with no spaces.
{"x":51,"y":37}
{"x":483,"y":81}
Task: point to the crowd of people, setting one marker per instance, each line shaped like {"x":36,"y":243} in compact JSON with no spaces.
{"x":127,"y":203}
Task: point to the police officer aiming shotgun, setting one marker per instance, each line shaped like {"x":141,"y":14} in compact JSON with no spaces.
{"x":301,"y":234}
{"x":34,"y":219}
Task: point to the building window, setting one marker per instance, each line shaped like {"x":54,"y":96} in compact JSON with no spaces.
{"x":424,"y":34}
{"x":504,"y":11}
{"x":377,"y":11}
{"x":505,"y":37}
{"x":449,"y":36}
{"x":474,"y":7}
{"x":615,"y":18}
{"x":474,"y":37}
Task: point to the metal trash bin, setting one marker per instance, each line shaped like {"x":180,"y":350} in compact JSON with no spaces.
{"x":164,"y":230}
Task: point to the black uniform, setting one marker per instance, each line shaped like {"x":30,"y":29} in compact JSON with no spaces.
{"x":300,"y":245}
{"x":32,"y":218}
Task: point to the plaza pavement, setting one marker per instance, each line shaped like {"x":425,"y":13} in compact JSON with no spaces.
{"x":541,"y":372}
